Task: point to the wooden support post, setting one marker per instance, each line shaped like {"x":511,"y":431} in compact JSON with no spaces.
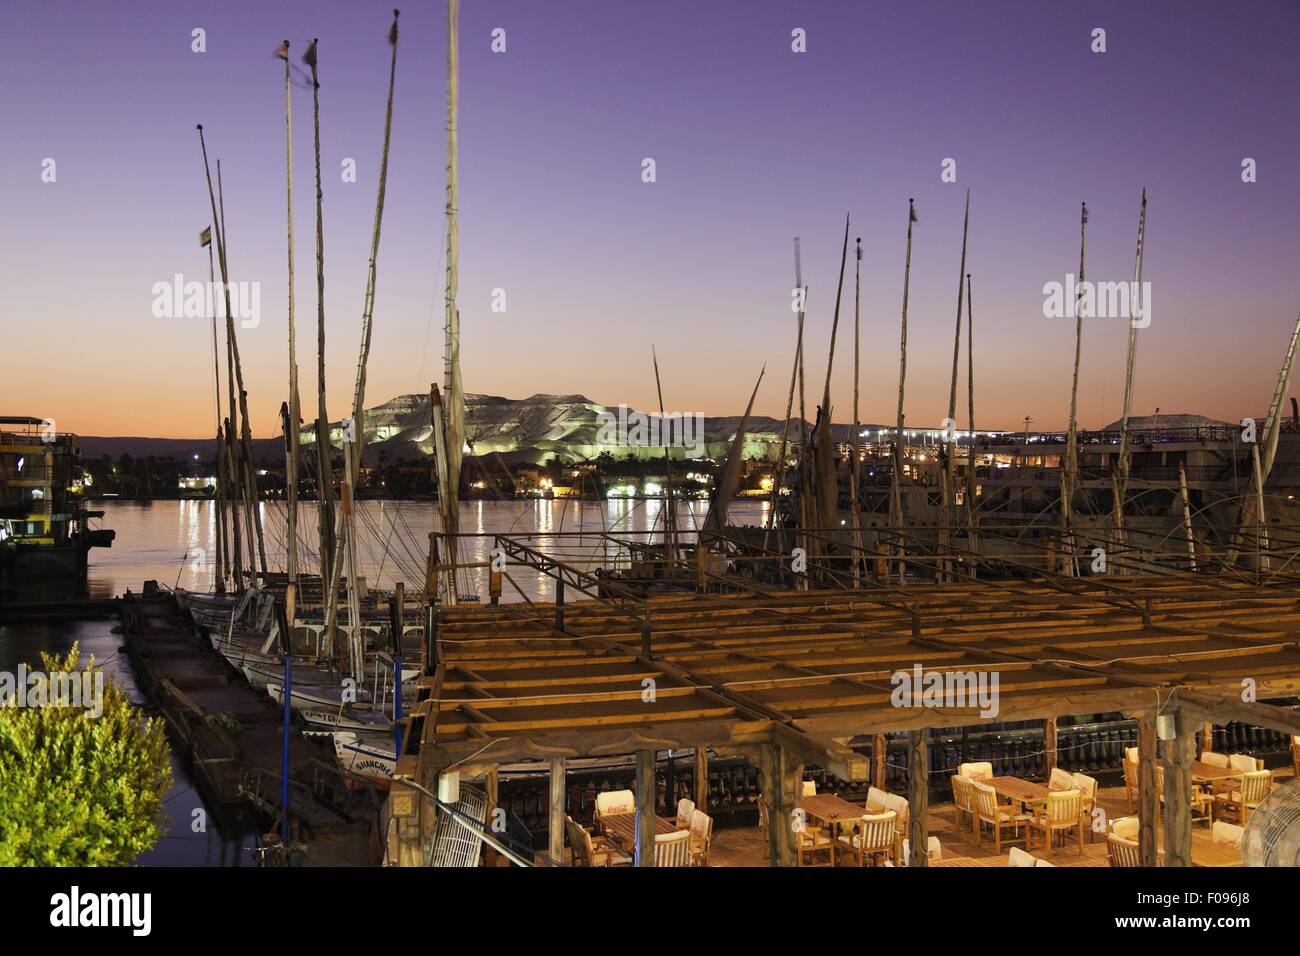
{"x":1148,"y":801}
{"x":782,"y":778}
{"x":701,"y":567}
{"x":494,"y":586}
{"x":1207,"y":736}
{"x":918,"y":797}
{"x":702,"y":778}
{"x":646,"y":646}
{"x":493,"y":794}
{"x":1179,"y":754}
{"x":559,"y":604}
{"x":645,"y":808}
{"x":879,"y":753}
{"x":555,"y":848}
{"x":1049,"y":745}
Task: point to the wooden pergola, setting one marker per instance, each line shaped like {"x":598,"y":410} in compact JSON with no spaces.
{"x":786,"y":678}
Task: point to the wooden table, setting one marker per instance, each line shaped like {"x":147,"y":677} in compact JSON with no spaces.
{"x":1021,"y":791}
{"x":621,"y":828}
{"x":1205,"y":852}
{"x":1212,"y":774}
{"x":831,"y":809}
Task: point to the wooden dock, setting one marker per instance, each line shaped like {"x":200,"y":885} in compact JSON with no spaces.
{"x":232,"y":734}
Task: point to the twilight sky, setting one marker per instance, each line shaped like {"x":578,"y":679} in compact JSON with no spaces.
{"x":754,"y":144}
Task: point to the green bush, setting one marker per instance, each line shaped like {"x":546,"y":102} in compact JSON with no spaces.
{"x":78,"y":789}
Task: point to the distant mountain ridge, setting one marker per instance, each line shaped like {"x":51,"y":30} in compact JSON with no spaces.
{"x":522,"y":430}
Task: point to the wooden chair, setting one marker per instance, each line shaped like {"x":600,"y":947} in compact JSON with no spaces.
{"x":976,"y":771}
{"x":673,"y":849}
{"x":875,"y":836}
{"x":1062,"y":813}
{"x":963,"y":801}
{"x":1255,"y":786}
{"x":1212,"y":759}
{"x":591,"y":850}
{"x":810,"y":788}
{"x":998,"y":817}
{"x":934,"y":850}
{"x":701,"y":830}
{"x":897,"y":803}
{"x":1130,"y":783}
{"x":1226,"y":834}
{"x":1203,"y":804}
{"x":1019,"y":857}
{"x":1088,"y":787}
{"x":810,"y":843}
{"x":1244,"y":762}
{"x":614,"y":801}
{"x":1122,"y":852}
{"x":1126,"y":827}
{"x":685,"y":808}
{"x":1060,"y":780}
{"x":877,"y":796}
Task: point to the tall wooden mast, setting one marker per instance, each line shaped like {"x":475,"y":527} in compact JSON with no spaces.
{"x":453,"y":393}
{"x":896,"y":483}
{"x":855,"y":467}
{"x":325,"y":469}
{"x":949,"y":475}
{"x":1120,"y":483}
{"x":293,"y":412}
{"x":1071,"y":482}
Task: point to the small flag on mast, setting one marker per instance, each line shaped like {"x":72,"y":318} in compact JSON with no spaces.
{"x":282,"y":51}
{"x":205,"y":237}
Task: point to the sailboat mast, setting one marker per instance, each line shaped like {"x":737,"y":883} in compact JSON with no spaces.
{"x":223,"y":560}
{"x":454,"y":410}
{"x":354,"y":436}
{"x":896,"y":499}
{"x":855,"y":467}
{"x":950,"y":444}
{"x":779,"y":480}
{"x":252,"y":511}
{"x":325,"y":480}
{"x":1072,"y":439}
{"x":293,"y":415}
{"x":970,"y":421}
{"x":1122,"y":472}
{"x":670,"y":509}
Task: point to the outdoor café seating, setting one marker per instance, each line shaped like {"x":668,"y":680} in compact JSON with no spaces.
{"x":685,"y":808}
{"x":1226,"y":834}
{"x":997,"y":817}
{"x":614,"y":801}
{"x":874,"y":838}
{"x":1019,"y":857}
{"x":591,"y":850}
{"x":963,"y":800}
{"x":1240,"y":803}
{"x":1062,"y":814}
{"x":934,"y":850}
{"x":701,"y":831}
{"x":673,"y":849}
{"x":1122,"y":852}
{"x":813,"y":847}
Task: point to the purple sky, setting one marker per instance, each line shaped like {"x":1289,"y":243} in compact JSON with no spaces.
{"x":754,"y":145}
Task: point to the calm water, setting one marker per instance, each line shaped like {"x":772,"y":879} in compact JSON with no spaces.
{"x":174,"y":543}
